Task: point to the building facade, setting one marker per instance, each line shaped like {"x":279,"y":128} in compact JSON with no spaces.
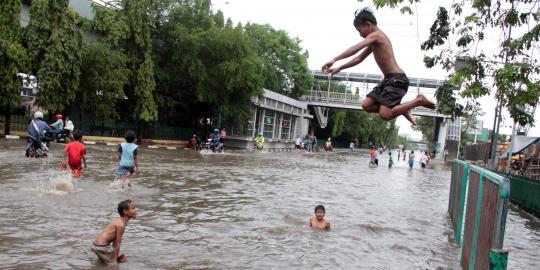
{"x":279,"y":118}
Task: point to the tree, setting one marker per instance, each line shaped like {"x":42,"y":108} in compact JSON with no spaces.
{"x":137,"y":45}
{"x":205,"y":68}
{"x":103,"y":76}
{"x":55,"y":42}
{"x":285,"y":63}
{"x":13,"y":58}
{"x":515,"y":74}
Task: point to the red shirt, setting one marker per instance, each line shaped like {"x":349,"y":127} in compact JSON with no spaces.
{"x":75,"y":152}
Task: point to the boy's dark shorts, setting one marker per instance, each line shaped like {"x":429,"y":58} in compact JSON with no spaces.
{"x":125,"y":170}
{"x":390,"y":90}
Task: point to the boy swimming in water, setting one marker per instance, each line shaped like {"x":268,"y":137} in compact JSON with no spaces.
{"x":318,"y":221}
{"x":113,"y":233}
{"x":386,"y":97}
{"x":75,"y":152}
{"x":129,"y":159}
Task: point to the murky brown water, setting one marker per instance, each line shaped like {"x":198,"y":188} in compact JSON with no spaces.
{"x":237,"y":211}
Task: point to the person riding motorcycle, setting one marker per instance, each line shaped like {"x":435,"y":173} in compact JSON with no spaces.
{"x":38,"y":133}
{"x":328,"y":145}
{"x":57,"y":126}
{"x":259,"y":141}
{"x":215,"y":142}
{"x":195,"y":142}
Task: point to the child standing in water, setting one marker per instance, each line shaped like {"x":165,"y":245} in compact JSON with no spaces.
{"x":113,"y":233}
{"x":129,"y":160}
{"x":318,"y":220}
{"x":74,"y":153}
{"x":411,"y":159}
{"x":390,"y":159}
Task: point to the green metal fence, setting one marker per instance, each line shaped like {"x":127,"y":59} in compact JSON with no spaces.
{"x":485,"y":220}
{"x":482,"y":196}
{"x":155,"y":131}
{"x":456,"y":200}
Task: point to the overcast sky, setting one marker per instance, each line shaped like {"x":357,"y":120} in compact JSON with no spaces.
{"x":325,"y":28}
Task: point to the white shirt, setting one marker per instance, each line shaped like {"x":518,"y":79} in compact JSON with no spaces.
{"x":424,"y":159}
{"x":69,"y":125}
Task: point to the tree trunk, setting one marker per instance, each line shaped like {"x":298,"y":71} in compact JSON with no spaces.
{"x":7,"y":116}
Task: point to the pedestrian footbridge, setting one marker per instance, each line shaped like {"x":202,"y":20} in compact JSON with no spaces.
{"x":357,"y":85}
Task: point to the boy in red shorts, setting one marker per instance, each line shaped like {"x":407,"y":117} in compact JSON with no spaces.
{"x":75,"y":152}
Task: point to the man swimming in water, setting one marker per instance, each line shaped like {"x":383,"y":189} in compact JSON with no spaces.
{"x":317,"y":221}
{"x":113,"y":234}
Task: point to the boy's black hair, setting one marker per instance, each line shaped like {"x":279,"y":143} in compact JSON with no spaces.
{"x":123,"y":206}
{"x":319,"y":207}
{"x":363,"y":16}
{"x":77,"y":134}
{"x":130,"y":136}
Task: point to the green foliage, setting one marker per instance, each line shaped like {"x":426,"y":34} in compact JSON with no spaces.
{"x":205,"y":67}
{"x":347,"y":125}
{"x":13,"y":56}
{"x":425,"y":125}
{"x":285,"y":64}
{"x":103,"y":76}
{"x":137,"y":45}
{"x":57,"y":52}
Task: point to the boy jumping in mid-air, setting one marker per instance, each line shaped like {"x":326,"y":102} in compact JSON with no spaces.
{"x":129,"y":160}
{"x":386,"y":97}
{"x":318,"y":220}
{"x":113,"y":234}
{"x":75,"y":152}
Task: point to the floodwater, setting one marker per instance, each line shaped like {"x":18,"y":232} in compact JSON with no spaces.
{"x":237,"y":210}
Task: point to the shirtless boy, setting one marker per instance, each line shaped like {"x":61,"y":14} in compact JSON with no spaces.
{"x":318,"y":220}
{"x":386,"y":97}
{"x":113,"y":234}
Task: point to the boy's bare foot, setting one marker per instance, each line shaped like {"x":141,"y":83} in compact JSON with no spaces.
{"x":410,"y":117}
{"x":424,"y":102}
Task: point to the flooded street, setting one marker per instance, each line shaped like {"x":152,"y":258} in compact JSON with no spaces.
{"x":237,"y":210}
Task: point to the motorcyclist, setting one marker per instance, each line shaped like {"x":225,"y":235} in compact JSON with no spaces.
{"x":57,"y":126}
{"x":328,"y":145}
{"x":259,"y":141}
{"x":67,"y":132}
{"x":195,"y":142}
{"x":216,"y":141}
{"x":38,"y":129}
{"x":38,"y":132}
{"x":69,"y":125}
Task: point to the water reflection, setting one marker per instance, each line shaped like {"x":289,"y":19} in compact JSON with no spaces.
{"x":238,"y":211}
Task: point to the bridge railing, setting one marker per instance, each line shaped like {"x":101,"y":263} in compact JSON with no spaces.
{"x":332,"y":97}
{"x":486,"y":207}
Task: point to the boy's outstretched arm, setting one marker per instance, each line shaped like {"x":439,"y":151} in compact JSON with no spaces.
{"x":350,"y":51}
{"x":84,"y":161}
{"x":355,"y":61}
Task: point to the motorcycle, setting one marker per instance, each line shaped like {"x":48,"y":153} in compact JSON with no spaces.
{"x":36,"y":148}
{"x":64,"y":136}
{"x":216,"y":147}
{"x":258,"y":146}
